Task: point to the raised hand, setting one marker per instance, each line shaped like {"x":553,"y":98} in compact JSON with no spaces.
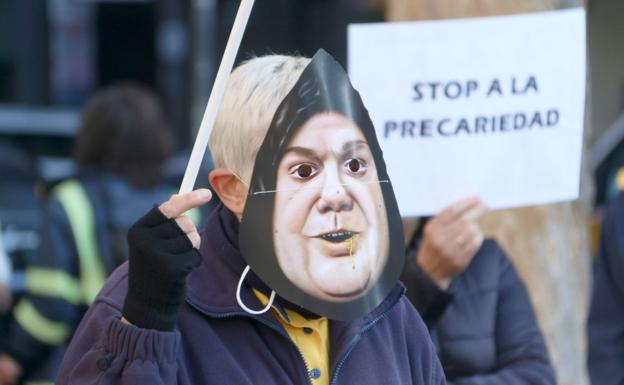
{"x":163,"y":249}
{"x":450,"y":240}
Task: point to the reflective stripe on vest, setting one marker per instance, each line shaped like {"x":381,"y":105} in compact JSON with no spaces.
{"x":74,"y":199}
{"x":53,"y":283}
{"x":38,"y":326}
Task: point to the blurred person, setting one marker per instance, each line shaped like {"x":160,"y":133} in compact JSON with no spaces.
{"x":473,"y":301}
{"x":120,"y":149}
{"x":605,"y":326}
{"x":171,"y":315}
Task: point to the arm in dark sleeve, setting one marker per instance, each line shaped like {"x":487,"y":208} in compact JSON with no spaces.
{"x":605,"y":329}
{"x":612,"y":244}
{"x":45,"y":316}
{"x":106,"y":351}
{"x":522,"y":356}
{"x":427,"y":297}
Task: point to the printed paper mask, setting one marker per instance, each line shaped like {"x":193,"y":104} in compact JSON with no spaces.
{"x":321,"y":225}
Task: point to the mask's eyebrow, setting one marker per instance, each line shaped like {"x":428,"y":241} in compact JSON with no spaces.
{"x":353,"y":145}
{"x":303,"y":151}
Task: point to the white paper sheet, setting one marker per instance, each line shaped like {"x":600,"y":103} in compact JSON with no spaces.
{"x":488,"y":106}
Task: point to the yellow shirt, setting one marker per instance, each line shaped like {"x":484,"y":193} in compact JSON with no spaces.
{"x":311,"y":337}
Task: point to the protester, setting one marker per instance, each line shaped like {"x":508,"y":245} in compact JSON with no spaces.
{"x":471,"y":298}
{"x":172,"y":317}
{"x":605,"y":325}
{"x":120,"y":149}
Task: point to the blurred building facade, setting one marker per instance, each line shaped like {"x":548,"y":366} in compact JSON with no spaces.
{"x":55,"y":53}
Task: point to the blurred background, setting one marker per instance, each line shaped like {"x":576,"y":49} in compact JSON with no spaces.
{"x":54,"y":54}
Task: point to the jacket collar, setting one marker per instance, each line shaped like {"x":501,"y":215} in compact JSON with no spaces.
{"x":211,"y":287}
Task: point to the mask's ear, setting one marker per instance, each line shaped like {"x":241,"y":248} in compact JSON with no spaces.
{"x":230,"y":189}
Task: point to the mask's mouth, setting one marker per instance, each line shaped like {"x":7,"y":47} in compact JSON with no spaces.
{"x":337,"y":236}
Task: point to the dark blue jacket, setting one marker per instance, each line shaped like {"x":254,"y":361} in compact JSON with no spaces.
{"x":483,"y":326}
{"x":606,"y":316}
{"x":218,"y":343}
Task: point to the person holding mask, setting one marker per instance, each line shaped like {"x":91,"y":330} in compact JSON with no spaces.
{"x":183,"y":310}
{"x":473,"y":301}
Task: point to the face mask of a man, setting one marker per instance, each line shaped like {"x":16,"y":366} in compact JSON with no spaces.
{"x":321,"y":225}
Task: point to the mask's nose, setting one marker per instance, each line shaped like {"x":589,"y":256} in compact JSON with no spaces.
{"x":334,"y":194}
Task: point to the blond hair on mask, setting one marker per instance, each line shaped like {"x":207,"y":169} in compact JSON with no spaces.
{"x":255,"y":90}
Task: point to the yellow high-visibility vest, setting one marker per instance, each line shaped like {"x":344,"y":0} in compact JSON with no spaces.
{"x":75,"y":201}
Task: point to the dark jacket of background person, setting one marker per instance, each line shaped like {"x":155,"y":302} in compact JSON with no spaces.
{"x":483,"y":326}
{"x":606,"y":316}
{"x":218,"y":343}
{"x":121,"y":147}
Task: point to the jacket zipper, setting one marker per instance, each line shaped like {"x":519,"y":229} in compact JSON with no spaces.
{"x":262,"y":321}
{"x":354,"y":342}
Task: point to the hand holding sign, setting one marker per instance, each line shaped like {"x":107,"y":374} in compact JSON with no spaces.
{"x":450,"y":240}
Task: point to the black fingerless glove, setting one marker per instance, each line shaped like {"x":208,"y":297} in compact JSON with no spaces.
{"x":161,"y":257}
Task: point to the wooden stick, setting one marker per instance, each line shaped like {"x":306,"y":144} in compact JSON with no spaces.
{"x":216,"y":96}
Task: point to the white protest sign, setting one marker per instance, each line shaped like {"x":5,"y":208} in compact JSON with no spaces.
{"x":488,"y":106}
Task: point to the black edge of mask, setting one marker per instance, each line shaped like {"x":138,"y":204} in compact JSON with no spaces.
{"x":323,"y":86}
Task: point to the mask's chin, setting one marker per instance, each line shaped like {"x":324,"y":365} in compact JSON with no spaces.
{"x":342,"y":278}
{"x":344,"y":295}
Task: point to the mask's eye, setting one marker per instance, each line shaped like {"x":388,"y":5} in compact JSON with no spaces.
{"x":356,"y":166}
{"x":303,"y":171}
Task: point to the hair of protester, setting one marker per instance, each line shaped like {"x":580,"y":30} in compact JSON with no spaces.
{"x":123,"y":129}
{"x":255,"y":91}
